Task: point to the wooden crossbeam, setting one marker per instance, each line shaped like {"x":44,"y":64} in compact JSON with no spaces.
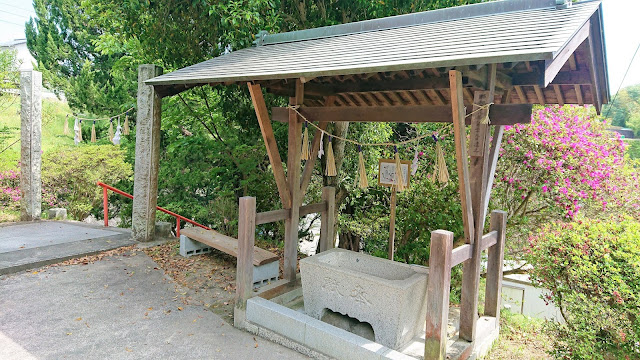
{"x":500,"y":114}
{"x":270,"y":142}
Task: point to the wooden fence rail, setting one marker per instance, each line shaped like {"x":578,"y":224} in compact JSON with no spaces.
{"x":441,"y":259}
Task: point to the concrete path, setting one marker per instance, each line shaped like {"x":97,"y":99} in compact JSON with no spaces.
{"x":27,"y":245}
{"x":121,"y":307}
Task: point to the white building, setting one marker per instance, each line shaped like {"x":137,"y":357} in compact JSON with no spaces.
{"x":23,"y":55}
{"x":27,"y":62}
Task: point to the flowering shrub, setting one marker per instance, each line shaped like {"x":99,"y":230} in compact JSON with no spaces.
{"x":562,"y":163}
{"x":592,"y":271}
{"x":71,"y":174}
{"x":10,"y":190}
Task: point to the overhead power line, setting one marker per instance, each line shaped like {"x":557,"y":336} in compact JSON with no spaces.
{"x":11,"y":22}
{"x":27,"y":11}
{"x":622,"y":82}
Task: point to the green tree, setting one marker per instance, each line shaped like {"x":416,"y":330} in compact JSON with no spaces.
{"x":9,"y":77}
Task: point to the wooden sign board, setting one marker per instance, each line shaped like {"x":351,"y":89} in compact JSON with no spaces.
{"x":387,"y":172}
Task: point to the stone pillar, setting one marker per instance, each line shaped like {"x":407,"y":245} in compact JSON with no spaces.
{"x":30,"y":149}
{"x":145,"y":185}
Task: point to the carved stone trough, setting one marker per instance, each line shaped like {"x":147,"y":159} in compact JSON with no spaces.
{"x":388,"y":295}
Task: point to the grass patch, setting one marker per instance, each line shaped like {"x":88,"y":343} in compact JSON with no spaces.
{"x":53,"y":118}
{"x":521,"y":337}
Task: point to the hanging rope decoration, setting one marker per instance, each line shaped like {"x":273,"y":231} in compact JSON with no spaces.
{"x":440,"y":173}
{"x":65,"y":131}
{"x":306,"y":153}
{"x":363,"y":182}
{"x":79,"y":130}
{"x":331,"y":161}
{"x":111,"y":130}
{"x":77,"y":127}
{"x":93,"y":132}
{"x":126,"y":123}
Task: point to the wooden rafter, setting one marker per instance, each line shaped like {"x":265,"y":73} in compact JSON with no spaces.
{"x":559,"y":95}
{"x":539,"y":94}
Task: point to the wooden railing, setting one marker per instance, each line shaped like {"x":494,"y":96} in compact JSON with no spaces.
{"x":441,"y":259}
{"x":105,"y":204}
{"x":248,"y":218}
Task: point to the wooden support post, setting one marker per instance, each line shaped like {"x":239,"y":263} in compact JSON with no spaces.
{"x":392,"y":223}
{"x":438,"y":288}
{"x":460,"y":135}
{"x":293,"y":182}
{"x":493,"y":290}
{"x":270,"y":142}
{"x":479,"y":150}
{"x":244,"y":272}
{"x":327,"y":219}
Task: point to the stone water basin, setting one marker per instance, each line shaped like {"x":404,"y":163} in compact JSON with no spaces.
{"x":388,"y":295}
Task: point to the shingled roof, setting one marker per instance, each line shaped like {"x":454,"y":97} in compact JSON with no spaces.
{"x":545,"y":54}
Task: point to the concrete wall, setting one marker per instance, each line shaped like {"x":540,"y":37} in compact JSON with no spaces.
{"x":523,"y":298}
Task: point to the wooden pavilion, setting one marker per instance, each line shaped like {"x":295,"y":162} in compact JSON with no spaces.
{"x":434,"y":66}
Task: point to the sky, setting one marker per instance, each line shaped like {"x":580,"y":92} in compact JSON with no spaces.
{"x":620,"y":28}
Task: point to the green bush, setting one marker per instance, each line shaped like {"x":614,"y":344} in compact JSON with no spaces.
{"x":71,"y":174}
{"x":592,"y":271}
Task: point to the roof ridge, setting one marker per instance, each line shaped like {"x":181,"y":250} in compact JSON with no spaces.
{"x":390,"y":22}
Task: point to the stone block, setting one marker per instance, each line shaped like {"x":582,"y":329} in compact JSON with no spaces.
{"x":340,"y":344}
{"x":265,"y":274}
{"x":163,"y":229}
{"x":277,"y":318}
{"x":388,"y":295}
{"x":190,"y":247}
{"x":57,"y":214}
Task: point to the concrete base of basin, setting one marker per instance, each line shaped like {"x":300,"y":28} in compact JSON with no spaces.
{"x":282,"y":320}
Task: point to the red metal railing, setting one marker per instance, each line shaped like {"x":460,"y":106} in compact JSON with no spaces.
{"x":105,"y":204}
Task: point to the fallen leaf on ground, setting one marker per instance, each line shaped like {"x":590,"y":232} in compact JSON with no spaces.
{"x":79,"y":319}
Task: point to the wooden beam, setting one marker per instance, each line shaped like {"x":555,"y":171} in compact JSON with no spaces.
{"x":523,"y":99}
{"x":495,"y":262}
{"x":488,"y":240}
{"x":313,"y":208}
{"x":272,"y":216}
{"x":438,"y":289}
{"x":553,"y":66}
{"x":579,"y":94}
{"x":460,"y":135}
{"x":246,"y":242}
{"x":595,"y":81}
{"x":440,"y":99}
{"x":572,"y":62}
{"x":496,"y":142}
{"x":270,"y":142}
{"x":581,"y":77}
{"x":327,"y":219}
{"x":283,"y":214}
{"x":539,"y":94}
{"x":461,"y":254}
{"x":559,"y":96}
{"x":479,"y":151}
{"x":500,"y":114}
{"x":293,"y":180}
